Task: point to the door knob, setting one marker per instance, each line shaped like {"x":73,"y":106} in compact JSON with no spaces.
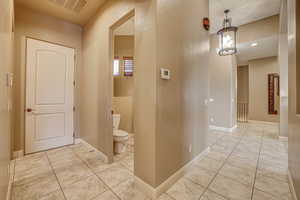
{"x":29,"y":110}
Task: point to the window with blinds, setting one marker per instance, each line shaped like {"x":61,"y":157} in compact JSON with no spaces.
{"x":128,"y":66}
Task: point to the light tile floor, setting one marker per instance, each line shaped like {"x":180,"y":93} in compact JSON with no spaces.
{"x":249,"y":164}
{"x":75,"y":172}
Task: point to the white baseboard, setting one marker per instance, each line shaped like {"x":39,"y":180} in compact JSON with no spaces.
{"x":79,"y":140}
{"x":262,"y":122}
{"x":145,"y":187}
{"x":218,"y":128}
{"x":18,"y":154}
{"x":291,"y":183}
{"x":283,"y":138}
{"x":156,"y":192}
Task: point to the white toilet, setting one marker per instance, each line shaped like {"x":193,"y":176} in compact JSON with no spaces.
{"x":120,"y":136}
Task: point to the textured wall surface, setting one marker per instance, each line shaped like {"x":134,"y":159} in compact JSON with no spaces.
{"x":97,"y":83}
{"x":124,"y":107}
{"x":223,"y":72}
{"x":284,"y":69}
{"x":6,"y":55}
{"x":169,"y":116}
{"x":182,"y":112}
{"x":294,"y":77}
{"x":258,"y":88}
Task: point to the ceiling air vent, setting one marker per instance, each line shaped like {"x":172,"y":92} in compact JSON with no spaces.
{"x":80,"y":5}
{"x":72,"y":5}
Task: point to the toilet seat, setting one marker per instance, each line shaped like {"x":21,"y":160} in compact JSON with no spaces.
{"x":120,"y":133}
{"x":120,"y":136}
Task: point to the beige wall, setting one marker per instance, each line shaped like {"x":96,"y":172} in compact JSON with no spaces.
{"x":234,"y":92}
{"x":222,"y":87}
{"x":258,"y":88}
{"x":124,"y":107}
{"x":145,"y":93}
{"x":182,"y":112}
{"x":284,"y":69}
{"x":96,"y":79}
{"x":259,"y":29}
{"x":294,"y":77}
{"x":6,"y":55}
{"x":123,"y":85}
{"x":32,"y":24}
{"x":169,"y":115}
{"x":243,"y":84}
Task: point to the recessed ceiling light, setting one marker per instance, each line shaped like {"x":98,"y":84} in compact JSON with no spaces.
{"x":254,"y":44}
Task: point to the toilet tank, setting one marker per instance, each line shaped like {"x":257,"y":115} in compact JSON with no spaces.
{"x":116,"y":121}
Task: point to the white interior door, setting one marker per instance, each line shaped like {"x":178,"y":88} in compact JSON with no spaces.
{"x":49,"y":96}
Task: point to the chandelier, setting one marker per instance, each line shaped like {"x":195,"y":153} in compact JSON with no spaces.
{"x":227,"y":37}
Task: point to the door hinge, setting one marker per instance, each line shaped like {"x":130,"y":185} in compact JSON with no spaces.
{"x":74,"y":56}
{"x":74,"y":134}
{"x":74,"y":83}
{"x":74,"y":108}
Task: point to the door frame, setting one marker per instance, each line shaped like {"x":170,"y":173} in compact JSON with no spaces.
{"x":113,"y":27}
{"x":24,"y":82}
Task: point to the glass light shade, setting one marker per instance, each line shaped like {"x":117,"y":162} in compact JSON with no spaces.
{"x":227,"y":41}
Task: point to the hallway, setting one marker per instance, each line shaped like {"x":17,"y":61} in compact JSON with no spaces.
{"x":203,"y":93}
{"x":250,"y":163}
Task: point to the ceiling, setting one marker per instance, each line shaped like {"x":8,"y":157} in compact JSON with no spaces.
{"x":80,"y":11}
{"x":126,"y":28}
{"x":266,"y":47}
{"x":76,"y":11}
{"x":241,"y":11}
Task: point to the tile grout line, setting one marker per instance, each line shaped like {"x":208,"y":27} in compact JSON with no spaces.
{"x":52,"y":168}
{"x":109,"y":188}
{"x":217,"y":173}
{"x":268,"y":177}
{"x":169,"y":196}
{"x":126,"y":168}
{"x":81,"y":162}
{"x":257,"y":163}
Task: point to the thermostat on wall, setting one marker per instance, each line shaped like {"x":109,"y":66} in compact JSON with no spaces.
{"x":165,"y":74}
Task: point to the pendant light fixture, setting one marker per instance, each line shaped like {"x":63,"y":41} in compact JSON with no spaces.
{"x":227,"y":37}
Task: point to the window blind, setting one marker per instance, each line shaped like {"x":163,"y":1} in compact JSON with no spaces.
{"x":128,"y":66}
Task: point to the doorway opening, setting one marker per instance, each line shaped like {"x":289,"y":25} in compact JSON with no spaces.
{"x":242,"y":93}
{"x":123,"y":74}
